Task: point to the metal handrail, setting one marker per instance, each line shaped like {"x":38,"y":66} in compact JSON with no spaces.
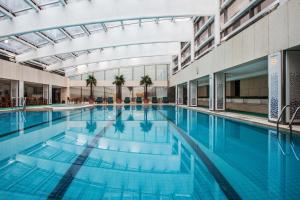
{"x":279,"y":118}
{"x":292,"y":120}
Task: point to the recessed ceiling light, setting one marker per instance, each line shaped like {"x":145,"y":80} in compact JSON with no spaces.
{"x":5,"y":41}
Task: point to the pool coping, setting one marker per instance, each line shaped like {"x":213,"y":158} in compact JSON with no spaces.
{"x":249,"y":119}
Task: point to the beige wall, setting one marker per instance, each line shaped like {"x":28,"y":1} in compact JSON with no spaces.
{"x":277,"y":31}
{"x":15,"y":71}
{"x":257,"y":86}
{"x":202,"y":91}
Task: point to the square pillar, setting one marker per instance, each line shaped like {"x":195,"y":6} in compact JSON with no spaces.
{"x":212,"y":92}
{"x":188,"y":94}
{"x":180,"y":94}
{"x":14,"y":92}
{"x":193,"y":93}
{"x":50,"y":95}
{"x":217,"y":91}
{"x":292,"y":84}
{"x":46,"y":93}
{"x":276,"y":71}
{"x":179,"y":61}
{"x":20,"y":92}
{"x":220,"y":91}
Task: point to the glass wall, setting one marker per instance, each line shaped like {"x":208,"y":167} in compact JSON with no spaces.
{"x":156,"y":72}
{"x":151,"y":71}
{"x":34,"y":94}
{"x":4,"y":93}
{"x":127,"y":73}
{"x":99,"y":75}
{"x":138,"y":72}
{"x":110,"y":74}
{"x":161,"y":72}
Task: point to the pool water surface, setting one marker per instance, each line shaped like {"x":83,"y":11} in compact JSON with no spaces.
{"x":143,"y":152}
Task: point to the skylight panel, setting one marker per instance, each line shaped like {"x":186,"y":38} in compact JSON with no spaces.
{"x":15,"y":5}
{"x":14,"y":46}
{"x":65,"y":56}
{"x":75,"y":31}
{"x":47,"y":60}
{"x":55,"y":34}
{"x":112,"y":24}
{"x":34,"y":39}
{"x":80,"y":53}
{"x":94,"y":27}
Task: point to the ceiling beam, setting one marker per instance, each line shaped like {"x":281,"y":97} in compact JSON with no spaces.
{"x":86,"y":31}
{"x":68,"y":35}
{"x":33,"y":5}
{"x":155,"y":60}
{"x":75,"y":14}
{"x":123,"y":52}
{"x":150,"y":33}
{"x":63,"y":2}
{"x":6,"y":12}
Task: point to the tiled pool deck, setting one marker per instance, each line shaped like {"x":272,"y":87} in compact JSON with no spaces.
{"x":251,"y":119}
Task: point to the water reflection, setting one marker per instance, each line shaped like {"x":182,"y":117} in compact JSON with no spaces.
{"x":148,"y":158}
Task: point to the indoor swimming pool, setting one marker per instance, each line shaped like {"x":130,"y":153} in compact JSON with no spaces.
{"x":143,"y":152}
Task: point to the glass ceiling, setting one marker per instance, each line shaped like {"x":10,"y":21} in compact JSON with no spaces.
{"x":30,"y":41}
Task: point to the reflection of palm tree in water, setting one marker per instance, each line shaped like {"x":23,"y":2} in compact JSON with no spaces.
{"x":146,"y":125}
{"x":91,"y":125}
{"x":119,"y":125}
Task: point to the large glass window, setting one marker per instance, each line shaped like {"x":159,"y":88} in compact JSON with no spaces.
{"x":161,"y":92}
{"x":127,"y":73}
{"x":126,"y":92}
{"x":150,"y":71}
{"x":162,"y":72}
{"x":110,"y":74}
{"x":99,"y":91}
{"x":138,"y":72}
{"x":75,"y":77}
{"x":85,"y":76}
{"x":99,"y":75}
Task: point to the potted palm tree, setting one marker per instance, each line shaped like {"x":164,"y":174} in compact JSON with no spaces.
{"x":119,"y":81}
{"x":146,"y":81}
{"x":91,"y":81}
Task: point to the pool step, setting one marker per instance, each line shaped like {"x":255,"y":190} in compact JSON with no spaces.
{"x":126,"y":145}
{"x":181,"y":183}
{"x":144,"y":162}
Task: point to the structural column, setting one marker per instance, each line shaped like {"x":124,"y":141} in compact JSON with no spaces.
{"x":50,"y":95}
{"x":14,"y":92}
{"x":217,"y":91}
{"x":193,"y":93}
{"x":188,"y":99}
{"x":211,"y":92}
{"x":179,"y":61}
{"x":180,"y":94}
{"x":20,"y":92}
{"x":276,"y":70}
{"x":292,"y":84}
{"x":46,"y":93}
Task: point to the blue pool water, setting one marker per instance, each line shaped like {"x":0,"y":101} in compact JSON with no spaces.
{"x":136,"y":152}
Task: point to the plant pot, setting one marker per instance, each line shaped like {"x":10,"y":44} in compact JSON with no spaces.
{"x":146,"y":101}
{"x":119,"y":100}
{"x":91,"y":101}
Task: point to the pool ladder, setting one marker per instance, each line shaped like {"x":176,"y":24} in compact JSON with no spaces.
{"x":291,"y":121}
{"x":290,"y":127}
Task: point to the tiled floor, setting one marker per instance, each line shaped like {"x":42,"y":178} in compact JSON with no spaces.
{"x":246,"y":118}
